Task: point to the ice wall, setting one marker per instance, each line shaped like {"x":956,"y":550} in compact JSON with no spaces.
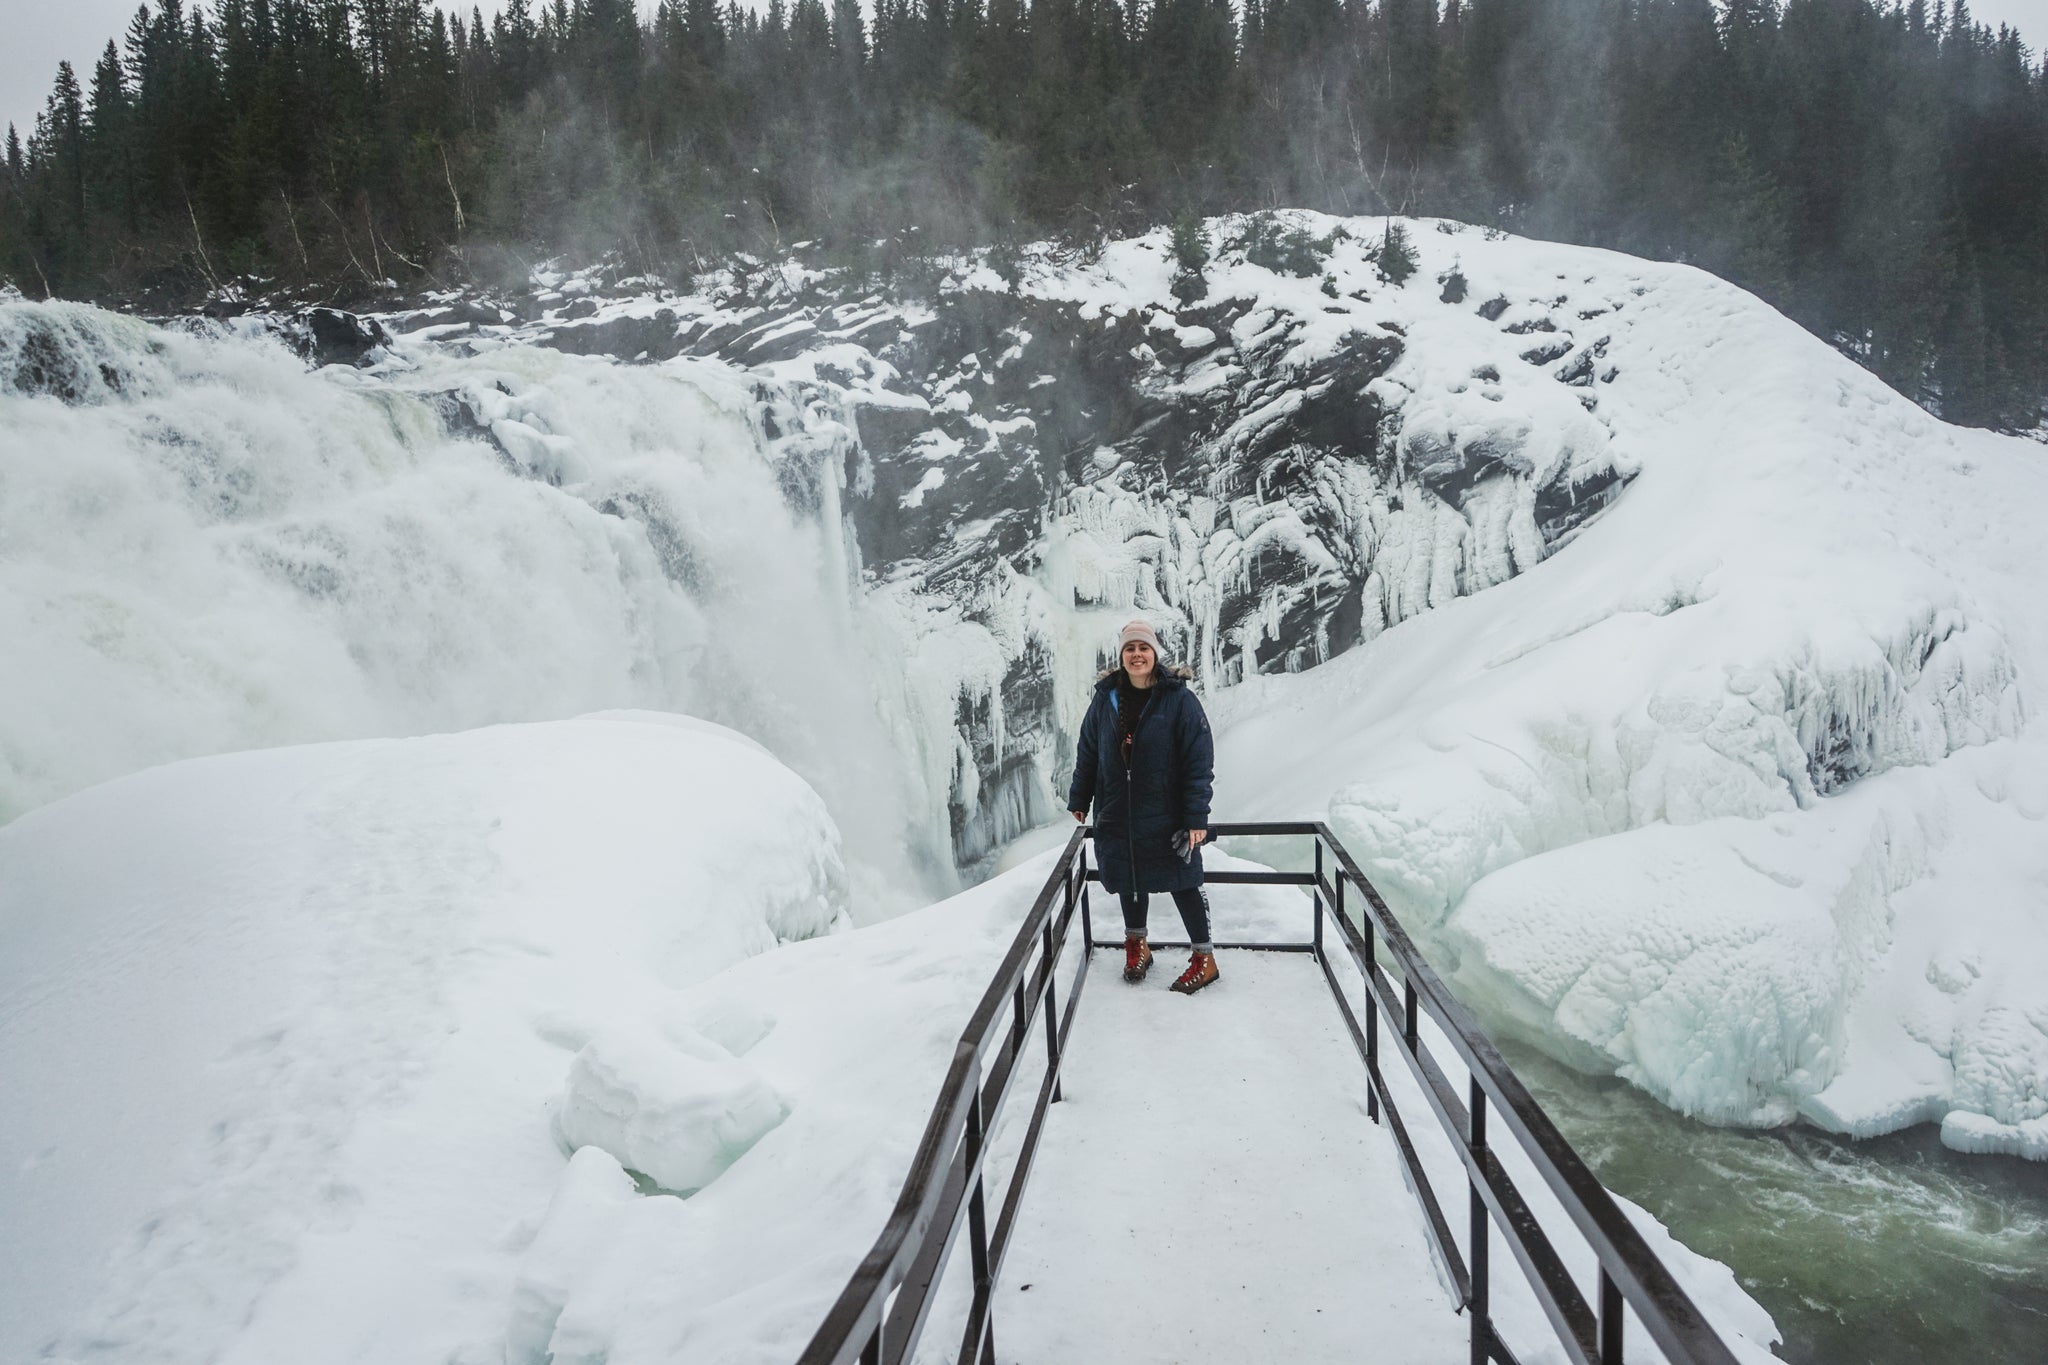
{"x":1738,"y":796}
{"x":1272,"y":473}
{"x":204,"y":546}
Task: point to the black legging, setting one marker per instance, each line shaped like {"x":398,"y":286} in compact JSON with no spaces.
{"x":1192,"y":903}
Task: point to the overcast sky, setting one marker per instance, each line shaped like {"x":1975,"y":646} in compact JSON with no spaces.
{"x":37,"y":34}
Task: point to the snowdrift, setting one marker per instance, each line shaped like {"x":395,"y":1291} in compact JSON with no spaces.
{"x":293,"y":1040}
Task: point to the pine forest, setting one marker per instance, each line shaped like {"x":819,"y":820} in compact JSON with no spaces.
{"x":1878,"y":171}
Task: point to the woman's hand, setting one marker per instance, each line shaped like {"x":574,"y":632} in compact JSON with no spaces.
{"x":1197,"y":837}
{"x":1080,"y":816}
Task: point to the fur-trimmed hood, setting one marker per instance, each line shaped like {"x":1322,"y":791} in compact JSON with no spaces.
{"x":1170,"y":675}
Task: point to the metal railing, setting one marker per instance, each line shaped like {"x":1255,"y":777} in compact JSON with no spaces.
{"x":880,"y":1315}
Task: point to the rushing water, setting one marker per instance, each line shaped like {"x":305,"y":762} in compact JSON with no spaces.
{"x":1887,"y":1251}
{"x":205,"y":547}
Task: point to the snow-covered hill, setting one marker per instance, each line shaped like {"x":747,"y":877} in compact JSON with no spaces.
{"x":280,"y":1031}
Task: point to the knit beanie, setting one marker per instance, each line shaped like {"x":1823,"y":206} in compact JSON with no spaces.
{"x":1139,"y":630}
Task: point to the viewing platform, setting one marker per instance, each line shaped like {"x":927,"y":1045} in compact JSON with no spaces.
{"x":1211,"y":1189}
{"x":1248,"y":1173}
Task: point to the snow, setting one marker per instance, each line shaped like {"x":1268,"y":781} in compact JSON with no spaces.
{"x":1234,"y":1163}
{"x":667,"y":1102}
{"x":282,"y":1030}
{"x":536,"y":1043}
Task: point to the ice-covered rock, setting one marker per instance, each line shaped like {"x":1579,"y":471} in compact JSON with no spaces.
{"x":666,"y":1102}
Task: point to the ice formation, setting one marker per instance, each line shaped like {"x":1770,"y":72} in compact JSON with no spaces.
{"x":1734,"y":796}
{"x":667,"y":1102}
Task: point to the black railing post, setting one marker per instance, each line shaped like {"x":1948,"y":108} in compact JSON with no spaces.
{"x":1611,"y":1314}
{"x":1408,"y":1010}
{"x":1052,"y":1004}
{"x":1087,"y":920}
{"x":977,"y":1230}
{"x":1316,"y":893}
{"x":1372,"y":1016}
{"x":871,"y":1354}
{"x":1482,"y":1323}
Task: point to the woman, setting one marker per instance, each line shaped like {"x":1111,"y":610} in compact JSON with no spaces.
{"x":1147,"y":764}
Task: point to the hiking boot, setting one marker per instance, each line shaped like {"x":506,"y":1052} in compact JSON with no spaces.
{"x":1201,"y":971}
{"x":1137,"y":959}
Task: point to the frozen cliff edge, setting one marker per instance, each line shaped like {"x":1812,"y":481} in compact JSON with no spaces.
{"x":1741,"y":797}
{"x":1273,"y":472}
{"x":281,"y":1030}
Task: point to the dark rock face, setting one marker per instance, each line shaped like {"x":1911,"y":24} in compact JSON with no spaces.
{"x":653,"y":338}
{"x":65,"y":358}
{"x":333,"y":337}
{"x":1259,"y":472}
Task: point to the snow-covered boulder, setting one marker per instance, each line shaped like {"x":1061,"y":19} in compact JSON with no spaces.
{"x":282,"y":1032}
{"x":666,"y":1101}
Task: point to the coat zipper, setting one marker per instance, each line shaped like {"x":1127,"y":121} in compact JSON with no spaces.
{"x":1130,"y":822}
{"x":1131,"y":798}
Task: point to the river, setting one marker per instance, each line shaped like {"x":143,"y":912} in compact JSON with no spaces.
{"x":1885,"y":1251}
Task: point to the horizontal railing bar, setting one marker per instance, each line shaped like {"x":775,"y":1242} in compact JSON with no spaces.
{"x":1435,"y":1224}
{"x":978,"y":1311}
{"x":1219,"y":947}
{"x":1562,"y":1301}
{"x":914,"y":1297}
{"x":1668,"y":1313}
{"x":858,"y":1309}
{"x":1571,"y":1317}
{"x":1017,"y":1036}
{"x":1013,"y":1198}
{"x":1243,"y":828}
{"x":1224,"y":877}
{"x":995,"y":1090}
{"x":857,"y":1312}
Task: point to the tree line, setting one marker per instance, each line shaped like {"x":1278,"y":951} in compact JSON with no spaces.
{"x":1878,"y":169}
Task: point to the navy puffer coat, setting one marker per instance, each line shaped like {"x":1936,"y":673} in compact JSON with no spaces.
{"x":1173,"y":768}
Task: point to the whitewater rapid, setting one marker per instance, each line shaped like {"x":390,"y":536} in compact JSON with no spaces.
{"x":204,"y":547}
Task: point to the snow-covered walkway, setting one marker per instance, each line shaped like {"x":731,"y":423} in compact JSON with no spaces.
{"x":1211,"y":1189}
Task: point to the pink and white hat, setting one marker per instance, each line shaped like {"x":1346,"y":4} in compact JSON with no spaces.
{"x":1139,"y":630}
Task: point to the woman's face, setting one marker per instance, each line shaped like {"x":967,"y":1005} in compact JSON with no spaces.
{"x":1139,"y":660}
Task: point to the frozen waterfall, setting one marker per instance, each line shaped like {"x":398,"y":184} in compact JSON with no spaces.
{"x":205,"y":547}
